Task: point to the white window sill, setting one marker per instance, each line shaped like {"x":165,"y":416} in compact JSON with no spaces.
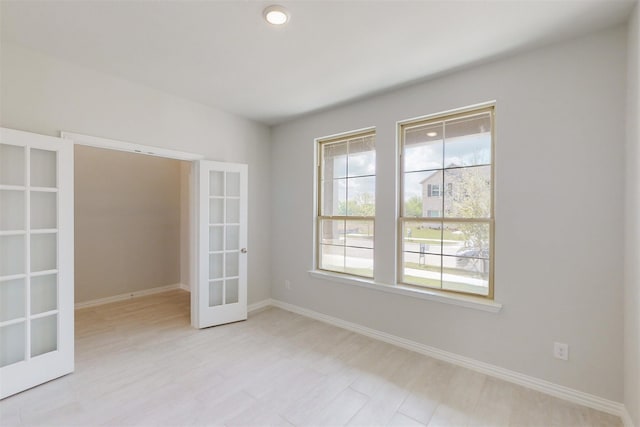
{"x":459,"y":300}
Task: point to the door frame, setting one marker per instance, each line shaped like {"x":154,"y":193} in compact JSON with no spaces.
{"x":148,"y":150}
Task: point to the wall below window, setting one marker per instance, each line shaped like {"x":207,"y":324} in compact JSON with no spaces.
{"x":560,"y":115}
{"x":127,"y":223}
{"x":45,"y":95}
{"x":632,"y":231}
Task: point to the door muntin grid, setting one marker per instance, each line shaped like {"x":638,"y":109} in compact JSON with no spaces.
{"x":29,"y":316}
{"x":224,"y":238}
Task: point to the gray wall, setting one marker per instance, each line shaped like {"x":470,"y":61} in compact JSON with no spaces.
{"x":45,"y":95}
{"x":632,"y":231}
{"x":127,"y":222}
{"x":559,"y":214}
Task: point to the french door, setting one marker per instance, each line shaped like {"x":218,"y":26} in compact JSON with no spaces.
{"x":220,"y":294}
{"x":36,"y":260}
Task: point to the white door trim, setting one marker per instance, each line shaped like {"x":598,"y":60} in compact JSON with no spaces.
{"x":112,"y":144}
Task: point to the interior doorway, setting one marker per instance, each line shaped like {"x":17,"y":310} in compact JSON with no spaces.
{"x":132,"y":225}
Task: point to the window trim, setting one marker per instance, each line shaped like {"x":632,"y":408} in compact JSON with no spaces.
{"x":317,"y":206}
{"x":489,"y":107}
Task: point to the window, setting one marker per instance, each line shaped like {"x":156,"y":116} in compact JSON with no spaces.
{"x":446,"y":238}
{"x":346,"y":203}
{"x":433,"y":190}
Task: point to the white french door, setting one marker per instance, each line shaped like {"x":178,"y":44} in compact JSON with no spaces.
{"x":220,"y":294}
{"x":36,"y":260}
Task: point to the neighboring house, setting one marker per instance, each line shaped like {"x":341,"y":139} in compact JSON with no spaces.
{"x":438,"y":195}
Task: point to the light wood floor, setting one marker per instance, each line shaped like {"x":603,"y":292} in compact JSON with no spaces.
{"x":139,"y":362}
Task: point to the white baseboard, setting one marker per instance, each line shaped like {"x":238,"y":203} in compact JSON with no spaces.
{"x":184,"y":287}
{"x":547,"y":387}
{"x":259,"y":305}
{"x":128,"y":295}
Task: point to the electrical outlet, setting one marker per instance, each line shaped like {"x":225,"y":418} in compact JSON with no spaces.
{"x":287,"y":284}
{"x":561,"y":350}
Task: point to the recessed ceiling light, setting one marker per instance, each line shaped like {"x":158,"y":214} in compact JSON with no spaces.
{"x":432,"y":134}
{"x":276,"y":15}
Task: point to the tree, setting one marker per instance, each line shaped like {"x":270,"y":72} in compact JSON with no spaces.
{"x":469,"y":196}
{"x":362,"y":205}
{"x":413,"y":207}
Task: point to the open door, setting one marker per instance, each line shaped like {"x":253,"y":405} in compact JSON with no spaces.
{"x":36,"y":260}
{"x":220,"y":293}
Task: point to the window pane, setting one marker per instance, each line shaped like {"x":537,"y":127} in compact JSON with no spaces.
{"x":464,"y":274}
{"x":423,"y":194}
{"x":467,"y":239}
{"x":334,"y":158}
{"x":332,"y":258}
{"x":359,"y":261}
{"x":362,"y":157}
{"x":361,"y":195}
{"x":422,"y":237}
{"x":468,"y":141}
{"x":423,"y":149}
{"x":334,"y":197}
{"x":359,"y":234}
{"x":332,"y":232}
{"x":422,"y":269}
{"x":467,"y":192}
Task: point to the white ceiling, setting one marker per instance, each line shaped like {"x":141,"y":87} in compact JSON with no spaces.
{"x":223,"y":54}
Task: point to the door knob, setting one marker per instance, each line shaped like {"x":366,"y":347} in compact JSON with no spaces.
{"x":243,"y":250}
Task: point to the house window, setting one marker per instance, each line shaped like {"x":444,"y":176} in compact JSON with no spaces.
{"x":450,"y":246}
{"x":433,"y":190}
{"x":346,"y":203}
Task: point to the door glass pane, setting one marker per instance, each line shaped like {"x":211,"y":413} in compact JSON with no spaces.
{"x":44,"y":335}
{"x":233,"y":184}
{"x":233,"y":237}
{"x":12,"y":165}
{"x":215,"y":266}
{"x":43,"y":210}
{"x":12,"y":343}
{"x":215,"y":238}
{"x":43,"y":168}
{"x":216,"y":183}
{"x":12,"y":210}
{"x":231,"y":264}
{"x":43,"y":252}
{"x":233,"y":211}
{"x":231,"y":295}
{"x":12,"y":299}
{"x":44,"y":293}
{"x":215,"y":293}
{"x":12,"y":259}
{"x":216,"y":211}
